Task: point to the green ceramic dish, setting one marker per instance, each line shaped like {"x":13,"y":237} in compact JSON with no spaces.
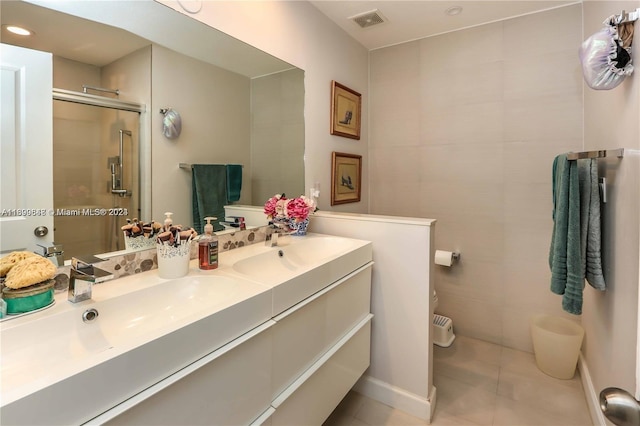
{"x":29,"y":298}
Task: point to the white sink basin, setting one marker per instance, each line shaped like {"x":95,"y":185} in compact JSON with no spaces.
{"x":55,"y":346}
{"x":36,"y":348}
{"x":300,"y":267}
{"x":272,"y":266}
{"x":279,"y":263}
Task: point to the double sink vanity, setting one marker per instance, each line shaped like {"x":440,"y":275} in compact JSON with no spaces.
{"x":275,"y":335}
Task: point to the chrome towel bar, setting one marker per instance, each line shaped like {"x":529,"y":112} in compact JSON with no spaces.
{"x":187,"y":166}
{"x":619,"y":152}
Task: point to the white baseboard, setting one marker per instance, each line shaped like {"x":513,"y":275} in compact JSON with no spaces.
{"x":397,"y":398}
{"x":597,"y":417}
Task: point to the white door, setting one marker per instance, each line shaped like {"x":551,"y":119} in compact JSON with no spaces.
{"x":26,"y":154}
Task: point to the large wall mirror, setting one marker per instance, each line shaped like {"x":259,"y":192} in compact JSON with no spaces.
{"x":238,"y":105}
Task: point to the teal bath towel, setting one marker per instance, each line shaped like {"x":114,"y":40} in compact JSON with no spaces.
{"x":592,"y":226}
{"x":209,"y":185}
{"x":234,"y":182}
{"x":575,"y":252}
{"x":565,"y":255}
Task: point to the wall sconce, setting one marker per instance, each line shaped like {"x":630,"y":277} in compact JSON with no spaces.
{"x":171,"y":123}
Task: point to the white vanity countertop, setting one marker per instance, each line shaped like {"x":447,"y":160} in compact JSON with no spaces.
{"x":53,"y":345}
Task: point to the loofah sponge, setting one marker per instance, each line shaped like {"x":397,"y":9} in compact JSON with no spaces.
{"x":30,"y":271}
{"x":12,"y":259}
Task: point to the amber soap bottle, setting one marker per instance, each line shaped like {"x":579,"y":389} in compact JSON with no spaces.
{"x":208,"y":247}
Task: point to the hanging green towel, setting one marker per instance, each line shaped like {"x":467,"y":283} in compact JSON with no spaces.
{"x":565,"y":255}
{"x":209,"y":183}
{"x":234,"y":182}
{"x":592,"y":227}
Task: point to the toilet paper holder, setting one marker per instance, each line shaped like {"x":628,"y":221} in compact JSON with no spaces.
{"x":446,"y":258}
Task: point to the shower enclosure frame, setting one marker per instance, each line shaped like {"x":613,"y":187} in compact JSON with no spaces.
{"x":96,"y":100}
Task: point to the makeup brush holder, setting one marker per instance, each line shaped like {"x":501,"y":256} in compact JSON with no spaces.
{"x":173,"y":261}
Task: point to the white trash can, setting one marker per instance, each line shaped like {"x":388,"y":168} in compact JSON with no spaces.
{"x":556,"y":344}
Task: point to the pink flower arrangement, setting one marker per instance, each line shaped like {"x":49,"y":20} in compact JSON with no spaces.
{"x":274,"y":207}
{"x":300,"y":208}
{"x":280,"y":208}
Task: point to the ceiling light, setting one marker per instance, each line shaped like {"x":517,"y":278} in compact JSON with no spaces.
{"x":453,"y":10}
{"x":18,"y":30}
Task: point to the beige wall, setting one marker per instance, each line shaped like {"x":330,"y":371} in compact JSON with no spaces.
{"x":464,"y":129}
{"x":611,"y":121}
{"x":277,"y":129}
{"x":215,"y":110}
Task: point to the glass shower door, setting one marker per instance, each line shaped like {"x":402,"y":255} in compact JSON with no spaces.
{"x":96,"y":176}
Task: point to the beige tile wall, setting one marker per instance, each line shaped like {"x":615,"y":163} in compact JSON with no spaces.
{"x":464,"y":129}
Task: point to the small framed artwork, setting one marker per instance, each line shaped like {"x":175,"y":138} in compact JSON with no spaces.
{"x":346,"y":178}
{"x":346,"y":105}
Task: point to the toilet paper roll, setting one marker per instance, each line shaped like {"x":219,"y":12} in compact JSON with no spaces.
{"x":444,"y":258}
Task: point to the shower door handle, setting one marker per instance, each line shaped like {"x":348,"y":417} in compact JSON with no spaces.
{"x":118,"y":175}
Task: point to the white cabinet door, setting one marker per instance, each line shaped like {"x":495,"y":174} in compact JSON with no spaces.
{"x":26,"y":154}
{"x":306,"y":331}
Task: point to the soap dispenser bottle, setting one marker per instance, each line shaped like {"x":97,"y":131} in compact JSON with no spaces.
{"x":168,"y":221}
{"x":208,"y":247}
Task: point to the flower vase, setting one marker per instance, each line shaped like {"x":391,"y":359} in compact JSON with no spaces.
{"x":299,"y":228}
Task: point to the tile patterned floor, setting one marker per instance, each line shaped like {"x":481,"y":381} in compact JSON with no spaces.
{"x":480,"y":383}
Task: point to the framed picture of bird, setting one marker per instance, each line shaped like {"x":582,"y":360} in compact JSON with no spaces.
{"x":346,"y":178}
{"x":346,"y":106}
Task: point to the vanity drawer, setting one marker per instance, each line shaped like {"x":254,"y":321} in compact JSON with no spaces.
{"x":306,"y":331}
{"x":347,"y":304}
{"x":231,"y":386}
{"x":312,"y":397}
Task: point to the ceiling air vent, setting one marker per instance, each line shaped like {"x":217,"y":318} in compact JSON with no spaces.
{"x":368,"y":19}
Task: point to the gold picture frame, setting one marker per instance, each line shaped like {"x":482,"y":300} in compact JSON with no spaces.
{"x":346,"y":108}
{"x":346,"y":178}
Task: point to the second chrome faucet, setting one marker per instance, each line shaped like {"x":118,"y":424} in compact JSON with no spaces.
{"x":275,"y":231}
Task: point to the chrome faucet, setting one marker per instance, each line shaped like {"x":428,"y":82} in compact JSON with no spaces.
{"x":235,"y":222}
{"x":81,"y":279}
{"x":274,"y":232}
{"x":53,"y":252}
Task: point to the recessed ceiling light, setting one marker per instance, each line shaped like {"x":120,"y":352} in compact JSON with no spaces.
{"x":18,"y":30}
{"x":453,"y":10}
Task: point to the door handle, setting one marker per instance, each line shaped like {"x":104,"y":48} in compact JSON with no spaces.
{"x":41,"y":231}
{"x":620,"y":407}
